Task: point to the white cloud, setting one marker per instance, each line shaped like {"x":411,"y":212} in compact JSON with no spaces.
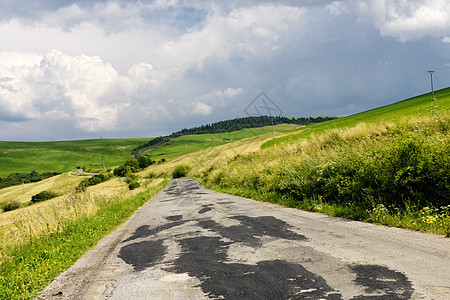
{"x":60,"y":86}
{"x":16,"y":58}
{"x":230,"y":92}
{"x":201,"y":109}
{"x":407,"y":20}
{"x":251,"y":31}
{"x":337,"y":8}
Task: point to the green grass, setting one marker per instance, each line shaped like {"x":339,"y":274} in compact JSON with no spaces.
{"x":64,"y":156}
{"x":386,"y":166}
{"x":24,"y":157}
{"x":27,"y":269}
{"x":409,"y":107}
{"x":193,"y":143}
{"x":430,"y":220}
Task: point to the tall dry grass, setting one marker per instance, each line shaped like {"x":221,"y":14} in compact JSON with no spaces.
{"x":29,"y":224}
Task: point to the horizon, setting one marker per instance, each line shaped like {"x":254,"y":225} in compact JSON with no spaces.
{"x":195,"y":126}
{"x":76,"y":70}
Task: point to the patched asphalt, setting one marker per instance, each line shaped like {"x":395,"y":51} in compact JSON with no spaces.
{"x":192,"y":243}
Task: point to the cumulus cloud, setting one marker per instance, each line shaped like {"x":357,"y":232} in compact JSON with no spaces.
{"x":406,"y":20}
{"x":59,"y":87}
{"x":250,"y":31}
{"x":89,"y":93}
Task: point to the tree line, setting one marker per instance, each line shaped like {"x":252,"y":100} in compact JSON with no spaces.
{"x":19,"y":178}
{"x":234,"y":125}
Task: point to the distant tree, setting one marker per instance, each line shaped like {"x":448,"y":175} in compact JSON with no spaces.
{"x":19,"y":178}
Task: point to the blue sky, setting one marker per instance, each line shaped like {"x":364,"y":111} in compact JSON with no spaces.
{"x":85,"y":69}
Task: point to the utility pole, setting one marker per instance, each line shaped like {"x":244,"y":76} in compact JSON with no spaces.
{"x":103,"y":162}
{"x":432,"y":90}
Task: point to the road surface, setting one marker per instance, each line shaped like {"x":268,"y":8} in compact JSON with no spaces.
{"x":192,"y":243}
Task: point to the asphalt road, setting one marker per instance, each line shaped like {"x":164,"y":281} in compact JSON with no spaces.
{"x":192,"y":243}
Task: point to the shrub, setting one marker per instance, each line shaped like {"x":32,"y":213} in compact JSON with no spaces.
{"x":42,"y":196}
{"x":144,"y":162}
{"x":96,"y":179}
{"x":180,"y":171}
{"x":120,"y":171}
{"x":133,"y":185}
{"x":12,"y":205}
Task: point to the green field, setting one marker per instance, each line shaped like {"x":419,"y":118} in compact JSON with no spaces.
{"x":24,"y":157}
{"x":410,"y":107}
{"x":192,"y":143}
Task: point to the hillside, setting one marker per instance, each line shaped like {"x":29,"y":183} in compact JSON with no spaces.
{"x":410,"y":107}
{"x":244,"y":127}
{"x":389,"y":165}
{"x":186,"y":144}
{"x":63,"y":156}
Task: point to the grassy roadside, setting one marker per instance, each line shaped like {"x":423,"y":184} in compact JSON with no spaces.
{"x":390,"y":173}
{"x":428,"y":220}
{"x":26,"y":268}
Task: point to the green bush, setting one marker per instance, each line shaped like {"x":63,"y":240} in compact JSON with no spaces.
{"x":12,"y":205}
{"x":133,"y":185}
{"x":180,"y":171}
{"x":42,"y":196}
{"x":144,"y":162}
{"x":96,"y":179}
{"x":133,"y":166}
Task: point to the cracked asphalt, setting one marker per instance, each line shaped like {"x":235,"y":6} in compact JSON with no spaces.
{"x":189,"y":242}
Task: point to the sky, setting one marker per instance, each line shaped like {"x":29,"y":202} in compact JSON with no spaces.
{"x":79,"y":69}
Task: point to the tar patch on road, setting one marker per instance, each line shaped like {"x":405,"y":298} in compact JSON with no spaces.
{"x":379,"y":279}
{"x":174,"y":218}
{"x":251,"y":229}
{"x":145,"y":231}
{"x":205,"y":208}
{"x":143,"y":255}
{"x":205,"y":256}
